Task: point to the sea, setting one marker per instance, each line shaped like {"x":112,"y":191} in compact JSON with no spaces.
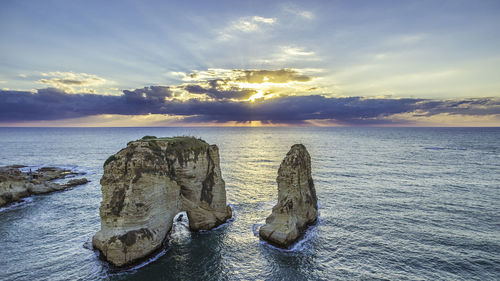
{"x":394,"y":204}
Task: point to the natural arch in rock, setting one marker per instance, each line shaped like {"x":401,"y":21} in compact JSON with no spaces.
{"x":146,"y":184}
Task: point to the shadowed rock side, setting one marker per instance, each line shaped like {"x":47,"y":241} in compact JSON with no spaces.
{"x":15,"y":185}
{"x":297,"y":203}
{"x":150,"y":181}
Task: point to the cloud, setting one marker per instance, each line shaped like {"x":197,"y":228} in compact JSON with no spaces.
{"x":54,"y":104}
{"x":475,"y":106}
{"x":272,"y":76}
{"x":288,"y":54}
{"x":294,"y":10}
{"x":151,"y":93}
{"x":264,"y":20}
{"x":241,"y":84}
{"x":71,"y":82}
{"x":296,"y":51}
{"x":220,"y":89}
{"x":251,"y":24}
{"x":283,"y":75}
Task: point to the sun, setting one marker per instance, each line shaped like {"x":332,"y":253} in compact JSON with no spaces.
{"x":258,"y":95}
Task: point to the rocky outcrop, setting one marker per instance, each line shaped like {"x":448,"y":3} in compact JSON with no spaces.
{"x":15,"y":184}
{"x":297,"y":205}
{"x":150,"y":181}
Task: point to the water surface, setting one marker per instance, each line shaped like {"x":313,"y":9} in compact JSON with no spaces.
{"x":395,"y":204}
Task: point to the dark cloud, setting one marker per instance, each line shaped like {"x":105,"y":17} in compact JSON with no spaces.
{"x":151,"y":93}
{"x":219,"y":89}
{"x":478,"y":106}
{"x":297,"y":109}
{"x":53,"y":104}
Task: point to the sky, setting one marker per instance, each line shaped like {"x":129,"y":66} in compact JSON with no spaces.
{"x":250,"y":63}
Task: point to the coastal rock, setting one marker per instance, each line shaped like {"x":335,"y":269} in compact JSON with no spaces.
{"x":15,"y":184}
{"x":75,"y":182}
{"x":146,"y":184}
{"x":297,"y":205}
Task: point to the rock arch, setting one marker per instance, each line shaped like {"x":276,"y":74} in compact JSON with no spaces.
{"x":146,"y":184}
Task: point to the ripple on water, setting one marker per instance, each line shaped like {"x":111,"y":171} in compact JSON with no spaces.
{"x":390,"y":208}
{"x":19,"y":204}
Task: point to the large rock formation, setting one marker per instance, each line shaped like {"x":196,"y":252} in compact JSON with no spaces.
{"x":150,"y":181}
{"x":15,"y":184}
{"x":297,"y":203}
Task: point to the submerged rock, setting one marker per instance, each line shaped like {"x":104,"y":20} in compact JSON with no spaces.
{"x":15,"y":184}
{"x":146,"y":184}
{"x":297,"y":205}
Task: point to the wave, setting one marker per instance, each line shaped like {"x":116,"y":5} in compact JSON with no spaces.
{"x":21,"y":203}
{"x":88,"y":244}
{"x":444,"y":148}
{"x":299,"y":246}
{"x":73,"y":168}
{"x":233,"y":218}
{"x":150,"y":260}
{"x":127,"y":270}
{"x":179,"y":230}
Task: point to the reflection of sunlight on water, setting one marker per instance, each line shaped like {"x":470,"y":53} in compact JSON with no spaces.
{"x":382,"y":213}
{"x":254,"y":166}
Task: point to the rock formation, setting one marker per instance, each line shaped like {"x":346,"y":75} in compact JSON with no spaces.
{"x":15,"y":184}
{"x":297,"y":205}
{"x":149,"y":182}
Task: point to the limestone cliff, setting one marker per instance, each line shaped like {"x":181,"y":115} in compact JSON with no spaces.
{"x":15,"y":184}
{"x":297,"y":205}
{"x":150,"y":181}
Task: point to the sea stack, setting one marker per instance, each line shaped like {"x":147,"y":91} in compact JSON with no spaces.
{"x":146,"y":184}
{"x":297,"y":205}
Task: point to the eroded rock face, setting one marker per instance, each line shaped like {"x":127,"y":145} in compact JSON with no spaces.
{"x":150,"y":181}
{"x":15,"y":184}
{"x":297,"y":205}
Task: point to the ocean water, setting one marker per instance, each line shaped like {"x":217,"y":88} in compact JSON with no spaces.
{"x":395,"y":204}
